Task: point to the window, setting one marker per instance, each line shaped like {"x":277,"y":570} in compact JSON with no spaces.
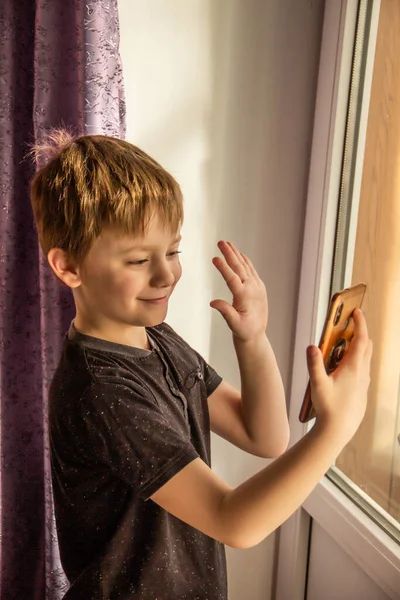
{"x":367,"y":249}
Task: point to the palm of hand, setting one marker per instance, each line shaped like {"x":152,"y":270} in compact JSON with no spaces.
{"x":247,"y":316}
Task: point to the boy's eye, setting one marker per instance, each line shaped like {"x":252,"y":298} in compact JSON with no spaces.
{"x":141,"y":262}
{"x":137,"y":262}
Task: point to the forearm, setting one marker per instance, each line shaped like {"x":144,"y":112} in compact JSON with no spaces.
{"x":257,"y":507}
{"x":263,"y":397}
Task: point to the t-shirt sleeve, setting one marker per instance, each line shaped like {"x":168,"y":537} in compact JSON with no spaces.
{"x":125,"y":431}
{"x":211,"y":377}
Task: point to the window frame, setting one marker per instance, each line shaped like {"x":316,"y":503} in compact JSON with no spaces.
{"x":355,"y":532}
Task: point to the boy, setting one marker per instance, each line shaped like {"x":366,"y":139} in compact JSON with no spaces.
{"x":139,"y":512}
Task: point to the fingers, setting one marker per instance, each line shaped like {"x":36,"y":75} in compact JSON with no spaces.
{"x":245,"y":260}
{"x":232,"y":279}
{"x":360,"y":329}
{"x":249,"y":265}
{"x":232,"y":268}
{"x":234,"y":260}
{"x":315,"y":365}
{"x":240,"y":266}
{"x":361,"y":345}
{"x":369,"y":350}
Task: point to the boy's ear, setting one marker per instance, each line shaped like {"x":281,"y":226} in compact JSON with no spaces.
{"x":63,"y":267}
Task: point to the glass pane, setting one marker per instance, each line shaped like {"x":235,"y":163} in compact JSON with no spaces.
{"x":372,"y":459}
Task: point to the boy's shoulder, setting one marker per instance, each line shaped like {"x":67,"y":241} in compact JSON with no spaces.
{"x":169,"y":336}
{"x":87,"y":361}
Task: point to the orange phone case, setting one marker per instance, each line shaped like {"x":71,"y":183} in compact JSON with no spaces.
{"x":336,"y":336}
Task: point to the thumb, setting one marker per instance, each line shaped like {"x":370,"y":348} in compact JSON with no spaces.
{"x":226,"y":310}
{"x":315,"y":365}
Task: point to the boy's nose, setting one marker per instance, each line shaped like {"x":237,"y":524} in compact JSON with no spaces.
{"x":163,"y":276}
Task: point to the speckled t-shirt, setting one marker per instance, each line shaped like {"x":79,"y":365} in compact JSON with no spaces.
{"x":123,"y":421}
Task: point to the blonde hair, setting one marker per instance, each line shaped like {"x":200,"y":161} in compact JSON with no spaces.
{"x":92,"y":181}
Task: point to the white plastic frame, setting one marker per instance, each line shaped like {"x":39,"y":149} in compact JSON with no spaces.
{"x":374,"y":551}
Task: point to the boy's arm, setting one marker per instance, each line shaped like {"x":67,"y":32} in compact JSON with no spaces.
{"x":244,"y":516}
{"x":257,"y":420}
{"x":263,"y":396}
{"x":254,"y":419}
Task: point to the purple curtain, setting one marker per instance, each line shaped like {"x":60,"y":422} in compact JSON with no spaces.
{"x":59,"y":65}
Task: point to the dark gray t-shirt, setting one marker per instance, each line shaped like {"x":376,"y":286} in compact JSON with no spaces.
{"x":123,"y":421}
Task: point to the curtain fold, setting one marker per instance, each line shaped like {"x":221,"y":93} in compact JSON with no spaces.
{"x":60,"y":66}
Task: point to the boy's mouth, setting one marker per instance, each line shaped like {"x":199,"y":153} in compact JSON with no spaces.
{"x":155,"y":300}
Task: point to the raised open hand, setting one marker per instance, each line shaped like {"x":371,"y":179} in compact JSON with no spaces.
{"x":247,"y":316}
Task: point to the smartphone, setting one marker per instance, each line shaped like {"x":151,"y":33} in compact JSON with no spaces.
{"x":336,"y":336}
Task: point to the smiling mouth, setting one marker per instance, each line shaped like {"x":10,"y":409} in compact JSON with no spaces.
{"x":162,"y":299}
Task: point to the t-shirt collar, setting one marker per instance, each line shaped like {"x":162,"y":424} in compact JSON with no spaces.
{"x":95,"y":343}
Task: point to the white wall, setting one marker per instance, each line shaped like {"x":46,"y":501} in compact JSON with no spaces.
{"x":221,"y":93}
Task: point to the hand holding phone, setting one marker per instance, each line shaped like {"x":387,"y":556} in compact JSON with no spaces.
{"x":336,"y":336}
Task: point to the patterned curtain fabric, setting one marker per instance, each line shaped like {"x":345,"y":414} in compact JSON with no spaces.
{"x":59,"y":65}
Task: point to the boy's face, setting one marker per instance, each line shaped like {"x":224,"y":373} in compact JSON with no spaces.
{"x":127,"y":280}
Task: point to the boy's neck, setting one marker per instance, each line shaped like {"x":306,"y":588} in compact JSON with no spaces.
{"x":135,"y":337}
